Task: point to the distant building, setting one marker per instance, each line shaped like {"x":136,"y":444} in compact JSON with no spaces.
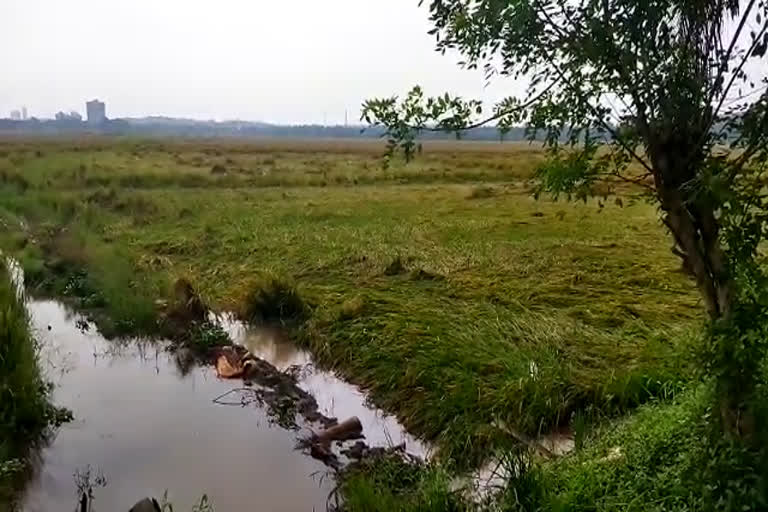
{"x":96,"y":111}
{"x":23,"y":113}
{"x":16,"y":115}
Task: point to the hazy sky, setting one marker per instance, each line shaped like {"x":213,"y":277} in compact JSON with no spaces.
{"x":284,"y":61}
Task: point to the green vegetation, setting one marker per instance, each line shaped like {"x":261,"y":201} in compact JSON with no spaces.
{"x":470,"y":314}
{"x":656,"y":459}
{"x":24,"y":408}
{"x":270,"y":299}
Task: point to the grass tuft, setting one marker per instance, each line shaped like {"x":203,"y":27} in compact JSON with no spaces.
{"x":352,"y":308}
{"x":271,"y":298}
{"x":24,"y":408}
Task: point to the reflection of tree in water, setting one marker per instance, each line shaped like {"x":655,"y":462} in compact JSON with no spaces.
{"x":273,"y":344}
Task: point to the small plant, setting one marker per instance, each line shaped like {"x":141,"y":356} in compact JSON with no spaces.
{"x":218,"y":169}
{"x":206,"y":335}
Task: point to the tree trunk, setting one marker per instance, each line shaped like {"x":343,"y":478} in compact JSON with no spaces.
{"x":690,"y":216}
{"x":692,"y":222}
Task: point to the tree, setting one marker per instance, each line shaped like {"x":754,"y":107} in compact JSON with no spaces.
{"x":678,"y":89}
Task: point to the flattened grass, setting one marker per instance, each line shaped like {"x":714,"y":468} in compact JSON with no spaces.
{"x":507,"y":312}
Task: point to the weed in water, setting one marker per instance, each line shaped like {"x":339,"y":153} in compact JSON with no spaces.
{"x":206,"y":335}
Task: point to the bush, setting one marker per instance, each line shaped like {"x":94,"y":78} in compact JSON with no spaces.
{"x":271,"y":298}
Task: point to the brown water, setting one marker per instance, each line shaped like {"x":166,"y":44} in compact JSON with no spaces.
{"x":144,"y":418}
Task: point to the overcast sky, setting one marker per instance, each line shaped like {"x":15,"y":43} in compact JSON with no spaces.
{"x":284,"y":61}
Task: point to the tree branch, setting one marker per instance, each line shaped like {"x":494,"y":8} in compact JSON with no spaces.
{"x":727,"y":58}
{"x":494,"y":117}
{"x":735,"y":75}
{"x":574,"y":89}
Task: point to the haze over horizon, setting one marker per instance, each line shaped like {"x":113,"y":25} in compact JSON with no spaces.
{"x":286,"y":63}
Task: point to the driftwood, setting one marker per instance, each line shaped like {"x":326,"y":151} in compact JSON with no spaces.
{"x":344,"y":431}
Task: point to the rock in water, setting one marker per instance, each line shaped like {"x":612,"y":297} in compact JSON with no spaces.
{"x":146,"y":505}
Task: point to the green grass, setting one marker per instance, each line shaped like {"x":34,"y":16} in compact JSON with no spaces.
{"x":24,"y":409}
{"x":661,"y":458}
{"x":462,"y":304}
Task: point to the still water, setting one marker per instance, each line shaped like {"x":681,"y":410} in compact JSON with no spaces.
{"x":145,"y":420}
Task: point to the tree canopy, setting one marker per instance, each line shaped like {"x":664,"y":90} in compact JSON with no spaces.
{"x":671,"y":95}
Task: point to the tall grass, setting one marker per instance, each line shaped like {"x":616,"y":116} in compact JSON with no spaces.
{"x":24,"y":408}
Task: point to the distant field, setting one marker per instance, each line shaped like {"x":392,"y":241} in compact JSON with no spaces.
{"x":441,"y":285}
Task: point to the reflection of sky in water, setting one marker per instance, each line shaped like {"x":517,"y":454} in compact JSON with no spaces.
{"x":334,"y":396}
{"x":148,"y":428}
{"x":144,"y":417}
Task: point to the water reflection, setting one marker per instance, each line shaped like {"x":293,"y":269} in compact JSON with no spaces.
{"x":334,"y":396}
{"x":148,"y":423}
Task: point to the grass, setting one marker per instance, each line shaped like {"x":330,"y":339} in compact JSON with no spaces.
{"x":270,"y":298}
{"x":660,"y":458}
{"x":24,"y":408}
{"x":462,"y":304}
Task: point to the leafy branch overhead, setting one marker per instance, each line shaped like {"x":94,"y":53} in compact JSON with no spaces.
{"x":671,"y":95}
{"x":677,"y":87}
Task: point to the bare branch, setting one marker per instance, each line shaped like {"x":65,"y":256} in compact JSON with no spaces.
{"x":727,"y":58}
{"x":736,"y":73}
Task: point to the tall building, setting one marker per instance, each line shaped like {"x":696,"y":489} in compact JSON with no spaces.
{"x":96,"y":111}
{"x":15,"y":115}
{"x":23,"y":113}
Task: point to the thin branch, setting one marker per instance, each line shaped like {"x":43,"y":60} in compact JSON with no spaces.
{"x":724,"y":64}
{"x":605,"y":125}
{"x":640,"y":180}
{"x":494,"y":117}
{"x":757,"y":40}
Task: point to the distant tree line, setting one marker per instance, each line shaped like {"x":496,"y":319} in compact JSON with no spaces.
{"x":162,"y":126}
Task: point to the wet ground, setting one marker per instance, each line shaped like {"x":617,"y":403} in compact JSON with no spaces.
{"x":145,"y":420}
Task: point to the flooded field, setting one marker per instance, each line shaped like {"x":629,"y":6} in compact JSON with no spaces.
{"x":145,"y":420}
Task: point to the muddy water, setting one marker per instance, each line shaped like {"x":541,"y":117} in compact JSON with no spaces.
{"x":335,"y":397}
{"x":145,"y":419}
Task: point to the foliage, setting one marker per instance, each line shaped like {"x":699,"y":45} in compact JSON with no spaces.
{"x":271,"y":298}
{"x":676,"y":86}
{"x":388,"y":482}
{"x":205,"y":335}
{"x":24,"y":408}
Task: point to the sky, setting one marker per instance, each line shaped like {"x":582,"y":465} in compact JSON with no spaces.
{"x":280,"y":61}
